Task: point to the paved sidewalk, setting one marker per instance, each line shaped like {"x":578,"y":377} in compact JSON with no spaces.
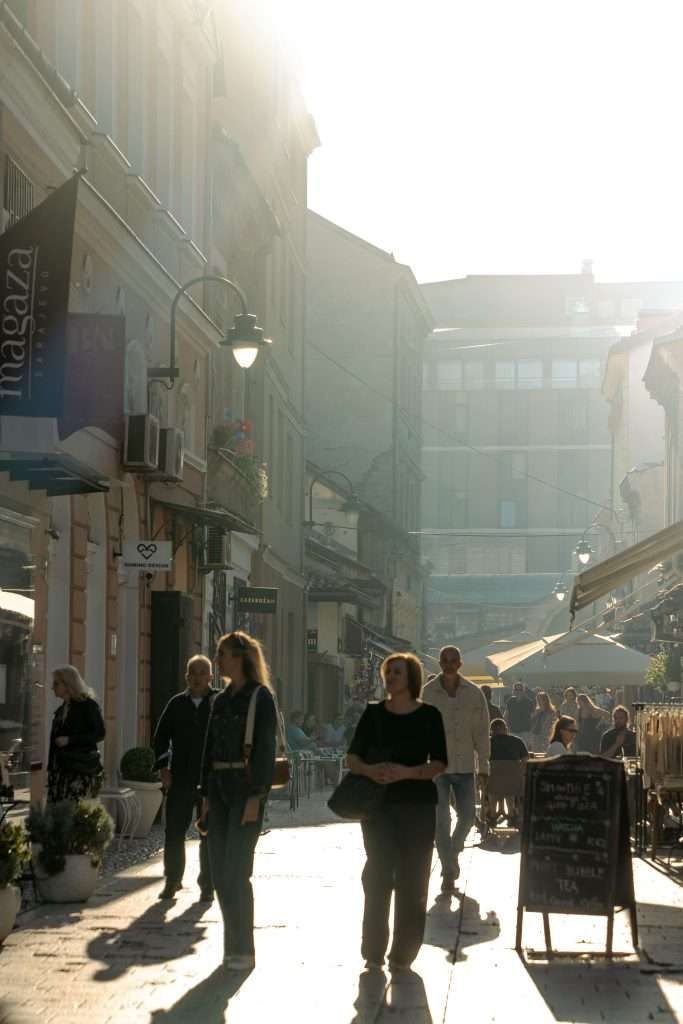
{"x":125,"y":957}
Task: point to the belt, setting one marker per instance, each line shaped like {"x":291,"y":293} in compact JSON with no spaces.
{"x":220,"y":765}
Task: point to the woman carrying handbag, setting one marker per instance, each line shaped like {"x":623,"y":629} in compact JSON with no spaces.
{"x":237,"y":774}
{"x":399,"y":744}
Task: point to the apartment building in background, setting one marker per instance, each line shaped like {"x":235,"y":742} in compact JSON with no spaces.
{"x":518,"y":457}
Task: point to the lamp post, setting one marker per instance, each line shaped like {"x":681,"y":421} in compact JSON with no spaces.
{"x":583,"y":551}
{"x":245,"y":337}
{"x":353,"y":502}
{"x":560,"y":590}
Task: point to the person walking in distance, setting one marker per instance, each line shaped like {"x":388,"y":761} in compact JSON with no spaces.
{"x":466,"y":720}
{"x":235,"y":781}
{"x":399,"y":743}
{"x":179,"y":745}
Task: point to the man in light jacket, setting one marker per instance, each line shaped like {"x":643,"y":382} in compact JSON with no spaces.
{"x":466,"y":722}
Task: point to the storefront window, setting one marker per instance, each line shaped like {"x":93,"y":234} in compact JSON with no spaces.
{"x":16,"y":636}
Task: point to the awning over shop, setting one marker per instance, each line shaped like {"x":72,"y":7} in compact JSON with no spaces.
{"x":578,"y":658}
{"x":16,"y":604}
{"x":202,"y":516}
{"x":614,"y":572}
{"x":54,"y":472}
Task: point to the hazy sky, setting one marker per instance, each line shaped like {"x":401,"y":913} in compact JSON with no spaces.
{"x":499,"y":136}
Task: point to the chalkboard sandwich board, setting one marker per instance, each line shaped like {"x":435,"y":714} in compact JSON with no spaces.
{"x":576,"y":857}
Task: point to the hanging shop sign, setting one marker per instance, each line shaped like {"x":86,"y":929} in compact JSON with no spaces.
{"x":94,"y":374}
{"x":257,"y":600}
{"x":148,"y":555}
{"x":35,"y":264}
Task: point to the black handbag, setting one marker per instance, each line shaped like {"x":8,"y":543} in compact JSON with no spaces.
{"x":358,"y":798}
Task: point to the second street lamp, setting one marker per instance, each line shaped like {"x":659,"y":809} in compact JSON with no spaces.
{"x":560,"y":590}
{"x":584,"y":552}
{"x":245,"y":337}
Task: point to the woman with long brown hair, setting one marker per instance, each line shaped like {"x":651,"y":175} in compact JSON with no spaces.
{"x":542,"y":721}
{"x":236,"y":779}
{"x":399,"y":743}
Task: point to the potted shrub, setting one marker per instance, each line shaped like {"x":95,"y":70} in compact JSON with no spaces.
{"x":137,"y":772}
{"x":68,"y":839}
{"x":14,"y":851}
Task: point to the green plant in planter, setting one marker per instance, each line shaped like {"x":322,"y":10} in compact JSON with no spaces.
{"x":14,"y":852}
{"x":137,"y":765}
{"x":68,"y":827}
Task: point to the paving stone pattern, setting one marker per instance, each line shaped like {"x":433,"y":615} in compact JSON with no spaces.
{"x":125,"y":957}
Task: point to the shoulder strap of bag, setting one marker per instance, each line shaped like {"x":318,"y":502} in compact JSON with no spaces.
{"x":281,"y":748}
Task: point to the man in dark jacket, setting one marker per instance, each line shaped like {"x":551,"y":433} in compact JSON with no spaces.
{"x":178,"y":745}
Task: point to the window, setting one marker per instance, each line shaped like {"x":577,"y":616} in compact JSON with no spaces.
{"x":508,"y":514}
{"x":164,"y":129}
{"x":289,"y":481}
{"x":280,"y":467}
{"x":589,"y":373}
{"x":505,"y":375}
{"x":564,"y":373}
{"x":68,"y":50}
{"x":529,"y":374}
{"x":18,"y":194}
{"x":474,"y":375}
{"x":137,"y":101}
{"x":449,"y":373}
{"x":105,"y":32}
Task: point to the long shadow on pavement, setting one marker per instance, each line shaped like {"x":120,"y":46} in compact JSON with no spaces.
{"x":148,"y":939}
{"x":454,"y":927}
{"x":206,"y":1003}
{"x":596,"y":991}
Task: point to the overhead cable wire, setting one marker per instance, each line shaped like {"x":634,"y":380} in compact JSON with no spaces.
{"x":453,"y":437}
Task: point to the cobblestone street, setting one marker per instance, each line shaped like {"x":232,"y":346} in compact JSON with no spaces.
{"x":125,"y":957}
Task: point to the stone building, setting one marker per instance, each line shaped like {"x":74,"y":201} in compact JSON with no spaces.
{"x":141,"y":97}
{"x":365,"y":328}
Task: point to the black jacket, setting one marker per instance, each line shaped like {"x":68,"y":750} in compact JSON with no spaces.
{"x":84,"y":725}
{"x":179,"y":737}
{"x":225,"y":737}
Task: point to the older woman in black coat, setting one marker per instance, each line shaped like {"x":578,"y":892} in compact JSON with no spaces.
{"x":74,"y":768}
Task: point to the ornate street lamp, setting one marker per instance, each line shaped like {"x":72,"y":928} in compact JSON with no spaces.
{"x":245,"y":337}
{"x":352,"y":503}
{"x":560,"y":590}
{"x":584,"y":552}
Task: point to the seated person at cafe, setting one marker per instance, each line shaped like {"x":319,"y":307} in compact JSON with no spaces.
{"x":296,"y":737}
{"x":333,"y":733}
{"x":505,"y":747}
{"x":619,"y":741}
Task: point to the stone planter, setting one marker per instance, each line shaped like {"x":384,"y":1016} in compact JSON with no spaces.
{"x":10,"y":901}
{"x":149,"y":797}
{"x":75,"y":884}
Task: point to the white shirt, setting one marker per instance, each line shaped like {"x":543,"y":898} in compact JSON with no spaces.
{"x":557,"y":747}
{"x":466,"y":724}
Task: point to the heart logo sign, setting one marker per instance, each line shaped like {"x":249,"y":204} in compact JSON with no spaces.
{"x":146,"y":551}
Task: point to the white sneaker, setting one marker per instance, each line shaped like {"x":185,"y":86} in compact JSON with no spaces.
{"x":239,"y":963}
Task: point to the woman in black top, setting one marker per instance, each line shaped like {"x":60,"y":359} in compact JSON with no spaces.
{"x":399,"y":743}
{"x":235,"y":782}
{"x":74,"y":769}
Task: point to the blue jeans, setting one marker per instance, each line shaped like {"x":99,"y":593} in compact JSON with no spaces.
{"x":231,"y":853}
{"x":450,"y":846}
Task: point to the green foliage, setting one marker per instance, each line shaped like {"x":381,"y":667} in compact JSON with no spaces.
{"x":658,"y":670}
{"x":14,"y":851}
{"x":137,"y":765}
{"x":67,"y":827}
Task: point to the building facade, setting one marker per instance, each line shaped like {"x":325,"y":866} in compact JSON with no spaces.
{"x":517,"y":453}
{"x":365,"y":329}
{"x":174,"y":185}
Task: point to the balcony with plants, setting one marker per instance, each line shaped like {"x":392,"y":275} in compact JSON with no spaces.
{"x":238,"y":480}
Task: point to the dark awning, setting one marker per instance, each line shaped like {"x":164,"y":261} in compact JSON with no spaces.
{"x":620,"y":568}
{"x":55,"y":472}
{"x":228,"y":521}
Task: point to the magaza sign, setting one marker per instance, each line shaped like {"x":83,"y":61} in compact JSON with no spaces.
{"x":35,"y":267}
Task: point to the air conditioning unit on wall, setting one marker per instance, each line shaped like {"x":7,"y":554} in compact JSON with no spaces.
{"x":141,"y":443}
{"x":217,"y":549}
{"x":171,"y":454}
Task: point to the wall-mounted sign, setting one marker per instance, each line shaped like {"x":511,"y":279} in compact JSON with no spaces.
{"x":312,"y":641}
{"x":257,"y":600}
{"x":94,"y":374}
{"x":35,"y":263}
{"x":149,"y":555}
